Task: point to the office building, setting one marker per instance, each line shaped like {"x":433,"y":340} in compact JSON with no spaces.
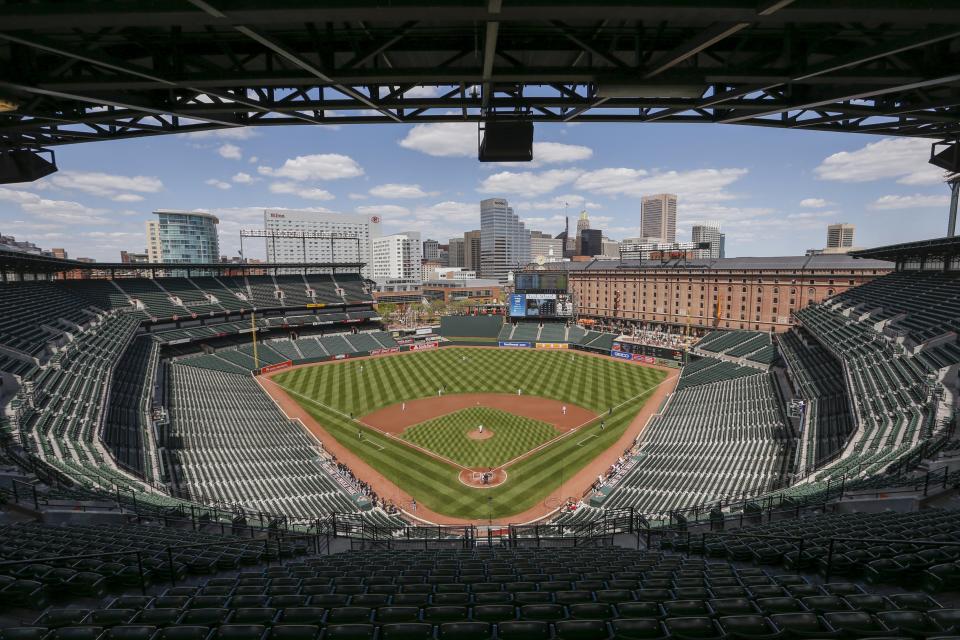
{"x":471,"y":250}
{"x":708,"y":233}
{"x":583,"y":222}
{"x":839,"y":235}
{"x":760,"y":294}
{"x":397,"y":256}
{"x":130,"y":257}
{"x":723,"y":245}
{"x":644,"y":249}
{"x":611,"y":248}
{"x":345,"y":237}
{"x":153,"y":242}
{"x":591,"y":242}
{"x":431,"y":249}
{"x":546,"y":246}
{"x":658,"y":217}
{"x":183,"y":237}
{"x":504,"y":240}
{"x":455,"y":256}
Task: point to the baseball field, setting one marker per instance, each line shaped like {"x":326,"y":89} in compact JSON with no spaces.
{"x":415,"y":418}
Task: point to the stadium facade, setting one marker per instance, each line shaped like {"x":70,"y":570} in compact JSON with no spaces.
{"x":759,"y":294}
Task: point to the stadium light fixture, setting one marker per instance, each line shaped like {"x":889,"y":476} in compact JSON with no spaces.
{"x":7,"y":105}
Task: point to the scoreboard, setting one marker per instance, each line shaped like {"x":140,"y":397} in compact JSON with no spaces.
{"x":646,"y":352}
{"x":539,"y":305}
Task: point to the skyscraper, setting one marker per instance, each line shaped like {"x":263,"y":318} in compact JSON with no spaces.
{"x":504,"y":240}
{"x":455,"y":252}
{"x":658,"y":217}
{"x":471,"y":250}
{"x":839,"y":235}
{"x":709,"y":233}
{"x":183,"y":237}
{"x":431,"y":249}
{"x":583,"y":223}
{"x":591,"y":242}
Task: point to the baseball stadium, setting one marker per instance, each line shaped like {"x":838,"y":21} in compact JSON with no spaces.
{"x":251,"y":450}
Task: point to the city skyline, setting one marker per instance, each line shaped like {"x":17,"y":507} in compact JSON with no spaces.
{"x":426,"y":178}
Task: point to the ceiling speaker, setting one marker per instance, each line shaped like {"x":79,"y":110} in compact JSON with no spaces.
{"x":947,"y":158}
{"x":507,"y":141}
{"x":24,"y":166}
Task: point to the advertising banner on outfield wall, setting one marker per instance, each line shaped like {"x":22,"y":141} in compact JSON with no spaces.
{"x":526,"y":345}
{"x":423,"y":347}
{"x":552,"y":345}
{"x":340,"y":356}
{"x":276,"y":367}
{"x":377,"y":352}
{"x":621,"y":355}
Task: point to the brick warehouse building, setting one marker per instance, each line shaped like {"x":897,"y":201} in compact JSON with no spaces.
{"x":753,"y":293}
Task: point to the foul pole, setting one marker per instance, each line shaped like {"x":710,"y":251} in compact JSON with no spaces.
{"x":253,"y":334}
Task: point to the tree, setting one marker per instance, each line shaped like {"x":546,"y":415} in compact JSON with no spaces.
{"x":386,"y":310}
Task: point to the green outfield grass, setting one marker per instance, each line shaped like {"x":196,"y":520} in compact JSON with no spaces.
{"x":332,"y":392}
{"x":449,"y":436}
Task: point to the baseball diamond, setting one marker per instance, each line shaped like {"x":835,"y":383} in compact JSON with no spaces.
{"x":511,"y":435}
{"x":336,"y":396}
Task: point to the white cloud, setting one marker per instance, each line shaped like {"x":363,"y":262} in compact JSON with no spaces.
{"x":242,"y":178}
{"x":63,"y":212}
{"x":527,"y":183}
{"x":570,"y":202}
{"x":253,"y":159}
{"x":697,"y":185}
{"x":219,"y":184}
{"x":556,"y":152}
{"x":127,"y":197}
{"x":383,"y":210}
{"x":815,"y":203}
{"x":230,"y":152}
{"x":902,"y":158}
{"x":358,"y":196}
{"x":307,"y":193}
{"x":392,"y":190}
{"x":915,"y":201}
{"x":323,"y":166}
{"x":444,"y":139}
{"x":106,"y":185}
{"x":422,"y":91}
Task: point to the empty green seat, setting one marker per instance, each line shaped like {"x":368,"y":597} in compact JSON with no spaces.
{"x":129,"y":632}
{"x":355,"y":631}
{"x":293,"y":632}
{"x":581,"y":630}
{"x":240,"y":632}
{"x":465,"y":631}
{"x":523,"y":630}
{"x":406,"y":631}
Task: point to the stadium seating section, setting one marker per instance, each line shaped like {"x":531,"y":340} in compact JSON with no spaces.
{"x":232,"y":445}
{"x":713,"y":441}
{"x":755,"y":346}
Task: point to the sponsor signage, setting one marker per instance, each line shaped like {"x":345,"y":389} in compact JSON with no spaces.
{"x":620,"y":354}
{"x":552,"y":345}
{"x":636,"y":357}
{"x":526,"y":345}
{"x":340,"y":356}
{"x":423,"y":332}
{"x":423,"y":347}
{"x":316,"y":305}
{"x":404,"y":340}
{"x":377,"y":352}
{"x":276,"y":367}
{"x":517,"y":303}
{"x":178,"y":341}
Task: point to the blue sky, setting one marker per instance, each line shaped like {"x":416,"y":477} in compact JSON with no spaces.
{"x":773,"y":191}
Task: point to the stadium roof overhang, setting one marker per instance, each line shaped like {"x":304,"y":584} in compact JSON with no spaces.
{"x":940,"y":248}
{"x":26,"y":263}
{"x":73,"y":71}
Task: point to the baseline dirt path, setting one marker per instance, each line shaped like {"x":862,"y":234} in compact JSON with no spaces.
{"x":573,"y":487}
{"x":396,"y":419}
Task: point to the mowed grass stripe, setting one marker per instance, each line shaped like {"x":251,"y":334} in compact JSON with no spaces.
{"x":449,"y":436}
{"x":594,"y":383}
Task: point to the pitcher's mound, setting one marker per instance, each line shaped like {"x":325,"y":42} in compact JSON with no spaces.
{"x":474,"y":477}
{"x":480,"y":435}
